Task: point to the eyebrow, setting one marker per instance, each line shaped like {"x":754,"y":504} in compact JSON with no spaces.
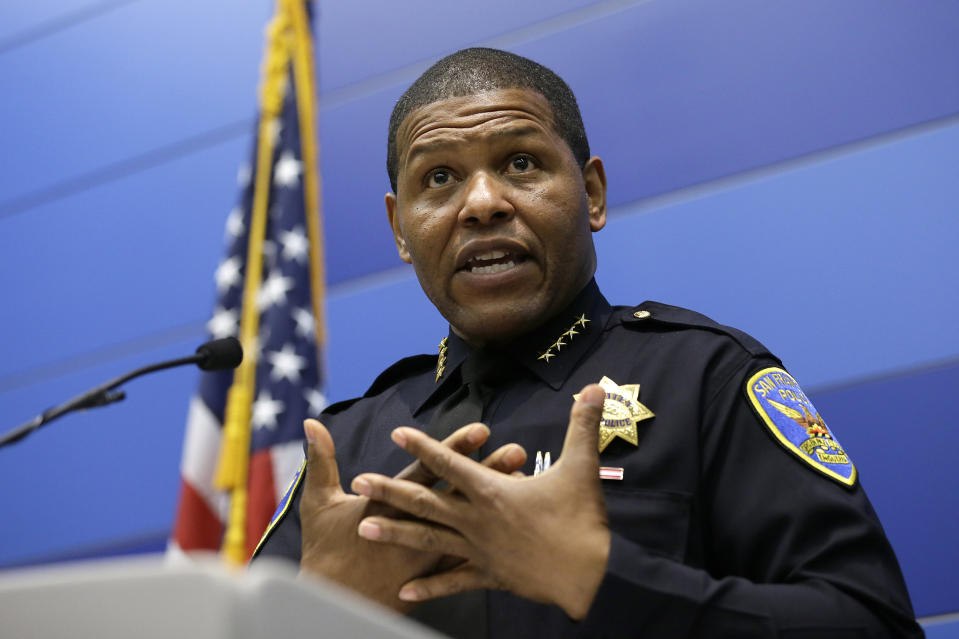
{"x":423,"y":148}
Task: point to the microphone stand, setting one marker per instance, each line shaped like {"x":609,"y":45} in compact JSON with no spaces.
{"x":102,"y":395}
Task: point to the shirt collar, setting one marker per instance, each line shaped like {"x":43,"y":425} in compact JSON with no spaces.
{"x":550,"y":352}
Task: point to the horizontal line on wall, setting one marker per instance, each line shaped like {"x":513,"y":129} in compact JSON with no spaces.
{"x":73,"y":364}
{"x":939,"y":620}
{"x":126,"y":167}
{"x":60,"y":23}
{"x":742,"y":178}
{"x":328,"y":100}
{"x":153,"y":541}
{"x":40,"y":373}
{"x":507,"y":40}
{"x":239,"y":128}
{"x":885,"y":376}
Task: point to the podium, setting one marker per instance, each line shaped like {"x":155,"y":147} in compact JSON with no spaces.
{"x":150,"y":599}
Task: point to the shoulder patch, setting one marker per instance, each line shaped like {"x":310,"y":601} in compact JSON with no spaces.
{"x":795,"y":423}
{"x":283,"y":507}
{"x":653,"y":313}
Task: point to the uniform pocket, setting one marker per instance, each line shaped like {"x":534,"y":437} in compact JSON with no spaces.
{"x":656,"y":520}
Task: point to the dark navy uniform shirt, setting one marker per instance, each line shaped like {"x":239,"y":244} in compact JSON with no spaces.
{"x":718,"y":529}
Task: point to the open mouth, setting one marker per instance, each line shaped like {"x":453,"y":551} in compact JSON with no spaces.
{"x":493,"y":261}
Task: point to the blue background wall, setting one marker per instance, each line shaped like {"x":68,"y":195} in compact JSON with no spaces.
{"x":790,"y":168}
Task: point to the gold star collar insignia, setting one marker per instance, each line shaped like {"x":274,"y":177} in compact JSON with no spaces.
{"x":441,"y":360}
{"x":622,"y":410}
{"x":559,"y":343}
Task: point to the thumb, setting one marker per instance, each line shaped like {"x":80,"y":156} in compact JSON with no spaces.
{"x":582,"y":437}
{"x":322,"y":473}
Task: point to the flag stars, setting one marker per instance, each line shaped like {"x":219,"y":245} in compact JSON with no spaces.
{"x":243,"y":176}
{"x":223,"y":323}
{"x":287,"y":170}
{"x":316,"y":400}
{"x":274,"y":290}
{"x":266,"y":410}
{"x":305,"y":324}
{"x":286,"y":364}
{"x":227,"y":274}
{"x":295,"y":245}
{"x":234,"y":223}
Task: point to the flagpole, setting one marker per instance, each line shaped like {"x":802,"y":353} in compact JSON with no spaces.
{"x":233,"y":465}
{"x":305,"y":79}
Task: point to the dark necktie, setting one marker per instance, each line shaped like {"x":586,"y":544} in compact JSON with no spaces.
{"x":479,"y":375}
{"x":464,"y":616}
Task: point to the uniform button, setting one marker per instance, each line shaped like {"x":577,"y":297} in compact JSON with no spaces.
{"x":641,"y":314}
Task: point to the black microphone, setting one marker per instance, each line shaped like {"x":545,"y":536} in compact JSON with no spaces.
{"x":219,"y":354}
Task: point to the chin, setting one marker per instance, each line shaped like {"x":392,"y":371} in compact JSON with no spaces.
{"x":495,"y":325}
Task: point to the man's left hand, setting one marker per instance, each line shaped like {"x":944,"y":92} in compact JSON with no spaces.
{"x":544,"y":538}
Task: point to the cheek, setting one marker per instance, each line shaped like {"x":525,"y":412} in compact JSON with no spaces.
{"x":425,"y":233}
{"x":563,"y":219}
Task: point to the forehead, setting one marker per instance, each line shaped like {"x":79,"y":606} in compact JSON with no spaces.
{"x":472,"y":117}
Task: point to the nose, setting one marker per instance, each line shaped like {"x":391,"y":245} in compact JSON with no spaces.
{"x":485,"y":201}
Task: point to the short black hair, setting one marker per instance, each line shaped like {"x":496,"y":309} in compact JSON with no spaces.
{"x":477,"y":70}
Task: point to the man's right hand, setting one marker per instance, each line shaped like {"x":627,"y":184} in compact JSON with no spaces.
{"x":329,"y":518}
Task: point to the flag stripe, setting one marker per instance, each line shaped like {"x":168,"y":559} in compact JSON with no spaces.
{"x":287,"y":459}
{"x":197,"y":528}
{"x":200,"y":449}
{"x":262,"y":498}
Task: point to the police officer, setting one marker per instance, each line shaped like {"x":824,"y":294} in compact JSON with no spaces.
{"x":696,"y":492}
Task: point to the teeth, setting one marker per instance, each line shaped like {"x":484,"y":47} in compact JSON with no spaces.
{"x":490,"y":255}
{"x":493,"y":268}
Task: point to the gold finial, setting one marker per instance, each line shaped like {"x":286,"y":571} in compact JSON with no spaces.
{"x":559,"y":343}
{"x":441,"y":362}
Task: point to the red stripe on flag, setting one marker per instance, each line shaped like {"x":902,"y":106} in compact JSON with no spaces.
{"x":261,"y":498}
{"x":197,"y":526}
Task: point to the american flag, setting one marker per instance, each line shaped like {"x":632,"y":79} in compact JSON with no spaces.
{"x":289,"y":375}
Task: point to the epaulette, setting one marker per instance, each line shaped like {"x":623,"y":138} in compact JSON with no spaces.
{"x":658,"y":314}
{"x":404,"y":368}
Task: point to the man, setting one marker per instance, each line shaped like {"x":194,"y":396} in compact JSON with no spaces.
{"x":697,"y":491}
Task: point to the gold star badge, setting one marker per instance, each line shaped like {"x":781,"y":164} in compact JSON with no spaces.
{"x":622,"y":410}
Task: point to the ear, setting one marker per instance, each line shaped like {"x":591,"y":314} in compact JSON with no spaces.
{"x":594,"y":178}
{"x":394,"y":218}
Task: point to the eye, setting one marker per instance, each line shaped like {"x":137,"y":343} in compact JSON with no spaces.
{"x":521,"y":164}
{"x":438,"y":177}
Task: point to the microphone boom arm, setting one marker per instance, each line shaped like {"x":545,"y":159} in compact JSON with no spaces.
{"x":99,"y":396}
{"x":218,"y":354}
